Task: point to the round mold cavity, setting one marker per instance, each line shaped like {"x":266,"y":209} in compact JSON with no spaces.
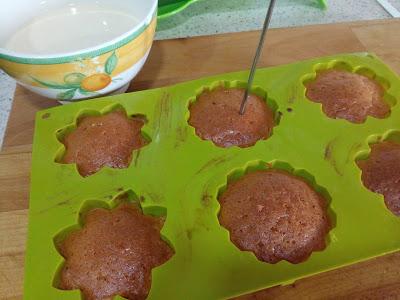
{"x":258,"y":165}
{"x":123,"y":197}
{"x":256,"y":90}
{"x":363,"y":155}
{"x":388,"y":98}
{"x":63,"y":132}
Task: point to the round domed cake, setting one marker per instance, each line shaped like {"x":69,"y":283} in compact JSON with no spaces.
{"x":100,"y":141}
{"x":215,"y":116}
{"x":113,"y":254}
{"x":349,"y":96}
{"x":381,"y":173}
{"x":275,"y":215}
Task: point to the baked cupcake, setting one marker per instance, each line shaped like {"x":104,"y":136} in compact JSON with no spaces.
{"x":275,"y":215}
{"x":381,"y":173}
{"x":106,"y":140}
{"x":113,"y":254}
{"x":349,"y":96}
{"x":215,"y":116}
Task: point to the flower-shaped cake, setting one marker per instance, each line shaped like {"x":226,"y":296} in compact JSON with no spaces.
{"x":106,"y":140}
{"x":113,"y":253}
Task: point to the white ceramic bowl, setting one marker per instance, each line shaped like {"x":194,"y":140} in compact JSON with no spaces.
{"x":70,"y":50}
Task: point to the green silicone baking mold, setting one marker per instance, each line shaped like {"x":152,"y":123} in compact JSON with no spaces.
{"x":168,"y":8}
{"x":182,"y":175}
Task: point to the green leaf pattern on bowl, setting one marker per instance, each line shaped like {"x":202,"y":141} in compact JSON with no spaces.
{"x":72,"y":81}
{"x":111,"y":63}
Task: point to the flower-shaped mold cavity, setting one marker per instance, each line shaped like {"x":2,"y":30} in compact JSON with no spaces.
{"x":98,"y":139}
{"x":275,"y":211}
{"x":214,"y":114}
{"x":380,"y":168}
{"x":113,"y":249}
{"x":345,"y":95}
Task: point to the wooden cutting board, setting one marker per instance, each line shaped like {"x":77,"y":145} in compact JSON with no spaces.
{"x":180,"y":60}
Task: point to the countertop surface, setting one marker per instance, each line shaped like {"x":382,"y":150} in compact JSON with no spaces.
{"x":207,"y":17}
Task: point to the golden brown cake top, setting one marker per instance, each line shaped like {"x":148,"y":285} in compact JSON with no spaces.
{"x":275,"y":215}
{"x":100,"y":141}
{"x":349,"y":96}
{"x":215,"y":116}
{"x":381,"y":173}
{"x":113,"y":254}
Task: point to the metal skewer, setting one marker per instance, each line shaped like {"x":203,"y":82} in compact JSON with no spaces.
{"x":257,"y":56}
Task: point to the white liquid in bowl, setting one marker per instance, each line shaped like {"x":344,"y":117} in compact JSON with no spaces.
{"x":71,"y":29}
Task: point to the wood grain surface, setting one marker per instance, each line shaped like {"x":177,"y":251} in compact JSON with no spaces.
{"x":179,"y":60}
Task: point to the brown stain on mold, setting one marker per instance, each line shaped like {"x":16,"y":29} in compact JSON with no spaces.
{"x":292,"y":95}
{"x":201,"y":215}
{"x":62,"y":203}
{"x":328,"y":150}
{"x":199,"y":223}
{"x":328,"y":156}
{"x":155,"y":197}
{"x":206,"y":200}
{"x":189,"y":234}
{"x":181,"y":135}
{"x":206,"y":197}
{"x":214,"y":163}
{"x":46,"y":116}
{"x":136,"y":159}
{"x":59,"y":204}
{"x":163,"y":113}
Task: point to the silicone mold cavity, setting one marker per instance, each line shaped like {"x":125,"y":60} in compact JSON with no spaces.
{"x":391,"y":135}
{"x":389,"y":98}
{"x":127,"y":196}
{"x":253,"y":166}
{"x":63,"y":132}
{"x":256,"y":90}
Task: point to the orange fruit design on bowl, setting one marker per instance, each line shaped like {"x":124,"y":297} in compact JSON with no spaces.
{"x":95,"y":82}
